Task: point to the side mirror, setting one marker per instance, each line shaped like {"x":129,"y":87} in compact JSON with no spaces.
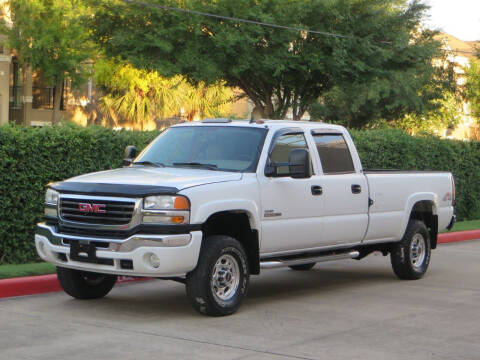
{"x":130,"y":154}
{"x":300,"y":165}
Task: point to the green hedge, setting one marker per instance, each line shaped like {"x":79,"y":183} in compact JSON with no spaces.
{"x":30,"y":158}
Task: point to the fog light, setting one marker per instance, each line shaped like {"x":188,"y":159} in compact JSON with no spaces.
{"x":154,"y":260}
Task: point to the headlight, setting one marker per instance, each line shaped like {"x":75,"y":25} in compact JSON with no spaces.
{"x":51,"y":197}
{"x":166,"y":210}
{"x":51,"y":202}
{"x":166,"y":203}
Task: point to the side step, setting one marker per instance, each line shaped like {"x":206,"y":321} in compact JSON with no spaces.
{"x":299,"y":261}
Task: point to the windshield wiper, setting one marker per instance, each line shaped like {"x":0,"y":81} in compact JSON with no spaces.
{"x":149,"y":163}
{"x":196,"y":164}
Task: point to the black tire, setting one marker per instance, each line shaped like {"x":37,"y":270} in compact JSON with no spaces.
{"x":409,"y":260}
{"x":85,"y":285}
{"x":220,"y":257}
{"x":303,"y":267}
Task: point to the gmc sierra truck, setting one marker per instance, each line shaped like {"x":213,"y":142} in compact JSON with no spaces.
{"x":210,"y":203}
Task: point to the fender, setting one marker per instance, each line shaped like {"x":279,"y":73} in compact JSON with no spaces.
{"x":205,"y":210}
{"x":410,"y":203}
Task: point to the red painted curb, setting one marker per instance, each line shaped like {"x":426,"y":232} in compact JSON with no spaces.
{"x":458,"y":236}
{"x":31,"y":285}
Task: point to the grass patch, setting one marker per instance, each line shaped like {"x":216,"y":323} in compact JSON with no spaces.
{"x":11,"y":271}
{"x":467,"y":225}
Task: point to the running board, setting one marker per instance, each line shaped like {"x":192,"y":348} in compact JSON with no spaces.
{"x":282,"y":263}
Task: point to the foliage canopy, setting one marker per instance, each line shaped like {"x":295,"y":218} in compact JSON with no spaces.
{"x":50,"y":36}
{"x":281,"y":69}
{"x":472,"y":87}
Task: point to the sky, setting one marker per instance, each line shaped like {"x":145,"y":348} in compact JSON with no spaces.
{"x":460,"y":18}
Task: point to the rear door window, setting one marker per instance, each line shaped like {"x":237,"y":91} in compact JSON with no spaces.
{"x":334,"y":153}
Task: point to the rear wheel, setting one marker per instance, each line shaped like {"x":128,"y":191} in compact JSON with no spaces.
{"x":219,"y":283}
{"x":85,"y":285}
{"x":411,"y":256}
{"x":302,"y":267}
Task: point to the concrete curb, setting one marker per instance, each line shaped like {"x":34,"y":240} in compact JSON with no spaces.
{"x":30,"y":285}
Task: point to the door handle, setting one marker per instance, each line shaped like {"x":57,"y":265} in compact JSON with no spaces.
{"x":356,"y":189}
{"x":317,"y":190}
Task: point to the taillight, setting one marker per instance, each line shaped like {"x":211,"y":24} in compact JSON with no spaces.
{"x":454,"y":192}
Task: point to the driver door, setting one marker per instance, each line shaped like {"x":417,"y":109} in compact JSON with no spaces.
{"x":291,"y":208}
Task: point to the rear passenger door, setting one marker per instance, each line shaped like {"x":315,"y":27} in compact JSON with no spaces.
{"x":345,"y":191}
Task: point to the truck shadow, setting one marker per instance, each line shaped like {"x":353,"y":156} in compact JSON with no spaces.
{"x":288,"y":283}
{"x":161,"y":298}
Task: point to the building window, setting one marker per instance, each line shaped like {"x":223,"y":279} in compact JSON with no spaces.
{"x":43,"y":94}
{"x":16,"y":93}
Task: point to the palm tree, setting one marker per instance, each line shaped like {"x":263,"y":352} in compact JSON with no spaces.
{"x":205,"y":101}
{"x":140,"y":96}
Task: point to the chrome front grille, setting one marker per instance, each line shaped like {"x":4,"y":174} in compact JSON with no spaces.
{"x":96,"y":211}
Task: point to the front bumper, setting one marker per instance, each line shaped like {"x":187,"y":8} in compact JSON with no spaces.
{"x":176,"y":254}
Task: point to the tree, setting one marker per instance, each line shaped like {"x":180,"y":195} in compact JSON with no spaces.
{"x":277,"y":69}
{"x":204,"y":100}
{"x":49,"y":35}
{"x":140,"y":96}
{"x":423,"y":97}
{"x":446,"y":114}
{"x":472,"y":87}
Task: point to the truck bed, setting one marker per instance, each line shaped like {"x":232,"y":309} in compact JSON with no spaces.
{"x":395,"y":192}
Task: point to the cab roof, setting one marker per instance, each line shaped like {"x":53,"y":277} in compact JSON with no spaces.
{"x":264,"y":123}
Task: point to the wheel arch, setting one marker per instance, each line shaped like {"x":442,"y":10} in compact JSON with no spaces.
{"x":423,"y":207}
{"x":237,"y":224}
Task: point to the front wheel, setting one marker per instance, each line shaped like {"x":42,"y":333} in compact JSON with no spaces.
{"x":411,"y":256}
{"x":219,"y":283}
{"x":85,"y":285}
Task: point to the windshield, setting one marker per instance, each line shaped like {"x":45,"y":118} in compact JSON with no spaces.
{"x":222,"y":148}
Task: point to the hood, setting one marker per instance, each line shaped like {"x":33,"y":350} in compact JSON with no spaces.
{"x":143,"y":180}
{"x":179,"y":178}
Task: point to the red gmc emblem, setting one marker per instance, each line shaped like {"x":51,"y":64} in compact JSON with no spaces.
{"x":92,"y":208}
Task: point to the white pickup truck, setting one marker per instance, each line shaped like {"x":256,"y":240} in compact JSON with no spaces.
{"x":211,"y":203}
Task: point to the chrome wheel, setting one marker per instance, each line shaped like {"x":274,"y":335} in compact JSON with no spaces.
{"x":417,"y":251}
{"x":225,"y":277}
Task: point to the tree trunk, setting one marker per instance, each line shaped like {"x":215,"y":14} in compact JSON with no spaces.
{"x":299,"y":115}
{"x":57,"y":100}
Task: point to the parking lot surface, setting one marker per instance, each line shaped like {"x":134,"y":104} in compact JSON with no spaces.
{"x":339,"y":310}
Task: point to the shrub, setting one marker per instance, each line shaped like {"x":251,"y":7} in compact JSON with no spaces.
{"x":30,"y":158}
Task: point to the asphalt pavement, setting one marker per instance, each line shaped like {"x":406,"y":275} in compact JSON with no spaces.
{"x":339,"y":310}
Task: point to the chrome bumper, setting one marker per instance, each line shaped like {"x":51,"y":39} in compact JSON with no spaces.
{"x":176,"y":254}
